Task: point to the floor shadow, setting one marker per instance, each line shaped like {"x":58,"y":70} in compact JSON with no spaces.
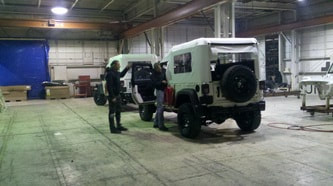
{"x":207,"y":134}
{"x":212,"y":135}
{"x":130,"y":108}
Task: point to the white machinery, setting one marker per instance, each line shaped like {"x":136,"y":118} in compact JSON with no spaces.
{"x":324,"y":87}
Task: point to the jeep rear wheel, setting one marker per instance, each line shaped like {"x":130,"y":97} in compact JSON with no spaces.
{"x":100,"y":99}
{"x":248,"y":121}
{"x":239,"y":84}
{"x":146,"y":112}
{"x":189,"y":124}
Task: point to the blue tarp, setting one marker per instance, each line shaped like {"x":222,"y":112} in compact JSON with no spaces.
{"x":24,"y":63}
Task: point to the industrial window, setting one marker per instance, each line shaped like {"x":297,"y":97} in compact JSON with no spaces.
{"x":183,"y":63}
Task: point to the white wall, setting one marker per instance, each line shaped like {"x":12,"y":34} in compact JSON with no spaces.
{"x":173,"y":35}
{"x":177,"y":34}
{"x":313,"y":48}
{"x":70,"y":58}
{"x":316,"y":48}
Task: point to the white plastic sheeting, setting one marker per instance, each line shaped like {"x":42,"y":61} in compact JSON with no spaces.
{"x":215,"y":41}
{"x":234,"y":49}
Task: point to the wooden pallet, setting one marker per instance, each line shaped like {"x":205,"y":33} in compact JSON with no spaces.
{"x":318,"y":108}
{"x":57,"y":98}
{"x":15,"y":100}
{"x":285,"y":94}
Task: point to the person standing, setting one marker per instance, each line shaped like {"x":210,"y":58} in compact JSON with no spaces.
{"x":159,"y":83}
{"x":113,"y":86}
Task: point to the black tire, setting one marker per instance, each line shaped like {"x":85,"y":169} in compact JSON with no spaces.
{"x":188,"y":123}
{"x":248,"y":121}
{"x":146,"y":112}
{"x":239,"y":84}
{"x":100,"y":99}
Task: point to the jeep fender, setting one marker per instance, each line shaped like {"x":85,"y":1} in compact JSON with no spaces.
{"x":188,"y":96}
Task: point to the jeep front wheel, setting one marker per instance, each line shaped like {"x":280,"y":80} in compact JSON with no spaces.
{"x":188,"y":123}
{"x":146,"y":112}
{"x":248,"y":121}
{"x":100,"y":99}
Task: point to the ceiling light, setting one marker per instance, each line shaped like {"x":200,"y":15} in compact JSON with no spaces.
{"x":59,"y":10}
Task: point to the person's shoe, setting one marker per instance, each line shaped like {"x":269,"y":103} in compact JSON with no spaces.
{"x":155,"y":126}
{"x":115,"y":131}
{"x":163,"y":128}
{"x":121,"y":128}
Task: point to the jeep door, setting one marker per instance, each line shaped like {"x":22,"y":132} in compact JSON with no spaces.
{"x":142,"y":87}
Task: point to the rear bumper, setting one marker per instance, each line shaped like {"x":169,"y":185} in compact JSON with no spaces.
{"x":258,"y":106}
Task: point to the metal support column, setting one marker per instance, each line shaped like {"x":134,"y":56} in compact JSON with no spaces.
{"x":156,"y":34}
{"x":281,"y":56}
{"x":294,"y":61}
{"x":217,"y":21}
{"x":224,"y":24}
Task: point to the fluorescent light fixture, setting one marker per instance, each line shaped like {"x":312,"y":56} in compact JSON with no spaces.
{"x":300,"y":0}
{"x":59,"y":10}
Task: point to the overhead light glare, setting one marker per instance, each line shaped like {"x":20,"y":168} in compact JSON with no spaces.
{"x":300,"y":0}
{"x":59,"y":10}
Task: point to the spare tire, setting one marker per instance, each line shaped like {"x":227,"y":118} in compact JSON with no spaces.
{"x":239,"y":84}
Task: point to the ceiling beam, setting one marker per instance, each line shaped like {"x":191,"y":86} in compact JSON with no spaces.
{"x":138,"y":3}
{"x":107,"y":5}
{"x":258,"y":5}
{"x":287,"y":27}
{"x":115,"y":27}
{"x":140,"y":8}
{"x":14,"y":11}
{"x":178,"y":14}
{"x":141,"y":14}
{"x":73,"y":5}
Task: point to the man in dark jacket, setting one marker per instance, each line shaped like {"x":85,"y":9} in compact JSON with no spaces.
{"x":113,"y":87}
{"x":159,"y":83}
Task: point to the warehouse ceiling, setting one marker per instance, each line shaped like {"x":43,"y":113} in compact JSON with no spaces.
{"x":107,"y":19}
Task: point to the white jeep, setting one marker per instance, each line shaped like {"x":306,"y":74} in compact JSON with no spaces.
{"x":210,"y":80}
{"x":100,"y":93}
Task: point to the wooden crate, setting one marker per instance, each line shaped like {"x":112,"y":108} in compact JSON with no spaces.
{"x":15,"y":93}
{"x":57,"y":92}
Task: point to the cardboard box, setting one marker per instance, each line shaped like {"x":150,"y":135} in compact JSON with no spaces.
{"x":57,"y":92}
{"x":15,"y":93}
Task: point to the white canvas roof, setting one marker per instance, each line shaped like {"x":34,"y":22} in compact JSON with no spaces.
{"x":218,"y":41}
{"x":125,"y":58}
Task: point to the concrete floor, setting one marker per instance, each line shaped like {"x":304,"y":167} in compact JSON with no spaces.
{"x":67,"y":142}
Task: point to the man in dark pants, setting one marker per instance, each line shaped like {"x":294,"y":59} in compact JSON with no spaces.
{"x":159,"y":83}
{"x":113,"y":87}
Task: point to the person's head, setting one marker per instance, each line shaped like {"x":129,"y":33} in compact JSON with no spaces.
{"x":157,"y":67}
{"x":106,"y":60}
{"x":115,"y":65}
